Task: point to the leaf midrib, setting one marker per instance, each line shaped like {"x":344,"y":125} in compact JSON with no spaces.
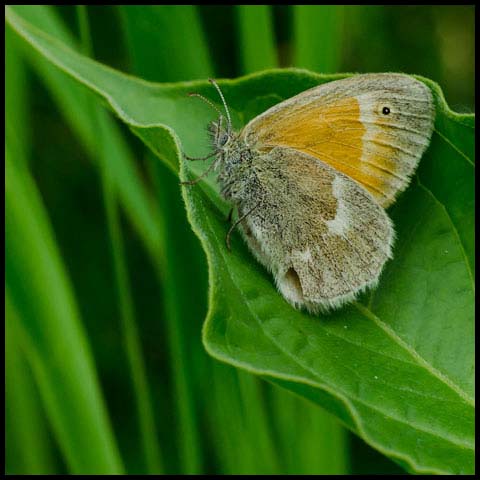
{"x":452,"y":145}
{"x":416,"y":356}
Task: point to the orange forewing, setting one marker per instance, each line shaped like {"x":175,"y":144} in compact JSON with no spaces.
{"x":333,"y":133}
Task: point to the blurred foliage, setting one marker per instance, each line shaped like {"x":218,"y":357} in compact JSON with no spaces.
{"x":209,"y":418}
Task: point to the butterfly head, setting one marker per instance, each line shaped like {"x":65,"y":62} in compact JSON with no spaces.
{"x":219,"y":134}
{"x":220,"y":131}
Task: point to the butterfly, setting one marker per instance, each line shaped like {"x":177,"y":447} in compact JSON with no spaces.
{"x":311,"y":178}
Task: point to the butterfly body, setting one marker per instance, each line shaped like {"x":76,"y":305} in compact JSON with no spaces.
{"x":311,"y":177}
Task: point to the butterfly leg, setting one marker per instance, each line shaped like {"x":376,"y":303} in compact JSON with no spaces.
{"x":194,"y":159}
{"x":232,"y":228}
{"x":230,"y":215}
{"x":204,"y":174}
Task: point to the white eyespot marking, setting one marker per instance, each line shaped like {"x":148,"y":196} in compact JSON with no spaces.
{"x":341,"y":223}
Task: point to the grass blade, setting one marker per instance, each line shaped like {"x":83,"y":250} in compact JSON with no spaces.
{"x":172,"y":40}
{"x":182,"y":315}
{"x":28,"y":449}
{"x":177,"y":272}
{"x":148,"y":432}
{"x":73,"y":102}
{"x":255,"y":37}
{"x":16,"y":101}
{"x":130,"y":333}
{"x":311,"y":440}
{"x":318,"y":31}
{"x":259,"y":431}
{"x":52,"y":333}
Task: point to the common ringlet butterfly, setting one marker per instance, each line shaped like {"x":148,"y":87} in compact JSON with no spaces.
{"x":311,"y":177}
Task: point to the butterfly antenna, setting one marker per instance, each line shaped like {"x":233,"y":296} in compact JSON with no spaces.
{"x":229,"y":119}
{"x":206,"y":100}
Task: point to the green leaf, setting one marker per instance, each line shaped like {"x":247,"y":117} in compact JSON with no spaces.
{"x":318,"y":32}
{"x":28,"y":445}
{"x":50,"y":330}
{"x":28,"y":449}
{"x":106,"y":162}
{"x":74,"y":102}
{"x":255,"y":37}
{"x":16,"y":102}
{"x":398,"y":369}
{"x":167,"y":55}
{"x":252,"y":433}
{"x":144,"y":40}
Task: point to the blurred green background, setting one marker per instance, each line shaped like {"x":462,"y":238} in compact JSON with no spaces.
{"x":132,"y":296}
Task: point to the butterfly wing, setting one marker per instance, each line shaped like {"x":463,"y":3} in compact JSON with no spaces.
{"x":372,"y":127}
{"x":324,"y":236}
